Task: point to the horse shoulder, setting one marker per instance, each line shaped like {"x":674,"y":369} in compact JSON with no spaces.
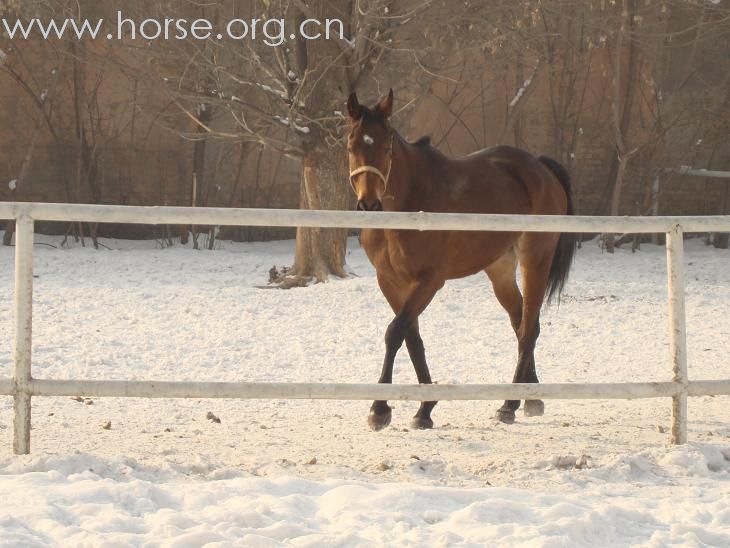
{"x":375,"y":244}
{"x":402,"y":255}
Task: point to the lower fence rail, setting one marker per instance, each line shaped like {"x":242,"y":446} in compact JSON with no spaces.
{"x":354,"y":391}
{"x":342,"y":391}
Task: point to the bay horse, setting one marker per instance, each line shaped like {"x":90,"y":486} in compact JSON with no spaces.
{"x":387,"y":173}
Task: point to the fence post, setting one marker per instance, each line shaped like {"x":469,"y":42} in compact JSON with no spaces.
{"x":23,"y":328}
{"x":677,"y":331}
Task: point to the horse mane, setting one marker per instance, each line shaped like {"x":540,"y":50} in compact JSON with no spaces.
{"x":423,"y":142}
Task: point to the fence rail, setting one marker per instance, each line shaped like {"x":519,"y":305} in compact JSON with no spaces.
{"x":22,"y":386}
{"x":318,"y":391}
{"x":157,"y":215}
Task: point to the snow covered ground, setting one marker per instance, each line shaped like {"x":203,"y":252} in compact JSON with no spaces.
{"x":275,"y":473}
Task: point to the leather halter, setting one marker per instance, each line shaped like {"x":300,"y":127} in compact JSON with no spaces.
{"x":372,"y":169}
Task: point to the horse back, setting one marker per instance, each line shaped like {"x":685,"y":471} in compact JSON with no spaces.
{"x":500,"y":180}
{"x":505,"y":179}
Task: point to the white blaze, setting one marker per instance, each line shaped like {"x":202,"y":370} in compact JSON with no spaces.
{"x":368,"y":140}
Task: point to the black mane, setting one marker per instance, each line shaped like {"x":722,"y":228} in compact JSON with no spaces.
{"x":423,"y":142}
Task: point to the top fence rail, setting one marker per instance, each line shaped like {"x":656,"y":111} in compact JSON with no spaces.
{"x":156,"y":215}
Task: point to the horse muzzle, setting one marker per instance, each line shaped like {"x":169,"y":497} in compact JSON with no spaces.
{"x":369,"y":205}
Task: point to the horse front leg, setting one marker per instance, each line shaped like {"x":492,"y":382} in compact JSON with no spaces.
{"x":399,"y":330}
{"x":380,"y":411}
{"x":417,"y":352}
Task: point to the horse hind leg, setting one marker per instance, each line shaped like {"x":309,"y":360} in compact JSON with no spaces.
{"x":535,"y":263}
{"x":504,"y":283}
{"x":502,"y":275}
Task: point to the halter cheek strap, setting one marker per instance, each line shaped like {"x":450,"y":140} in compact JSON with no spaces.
{"x":372,"y":169}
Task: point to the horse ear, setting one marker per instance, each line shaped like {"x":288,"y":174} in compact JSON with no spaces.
{"x":385,"y":106}
{"x":353,"y":107}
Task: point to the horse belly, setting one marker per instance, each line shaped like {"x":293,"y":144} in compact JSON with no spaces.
{"x":472,"y":252}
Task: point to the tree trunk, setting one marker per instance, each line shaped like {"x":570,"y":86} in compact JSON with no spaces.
{"x":9,"y":231}
{"x":623,"y":162}
{"x":721,"y":240}
{"x":320,"y":252}
{"x":623,"y":92}
{"x":199,"y":181}
{"x":654,"y":204}
{"x":621,"y":120}
{"x":22,"y":176}
{"x":326,"y":79}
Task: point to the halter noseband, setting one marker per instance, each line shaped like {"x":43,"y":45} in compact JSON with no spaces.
{"x":372,"y":169}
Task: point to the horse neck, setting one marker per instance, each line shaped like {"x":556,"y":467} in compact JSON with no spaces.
{"x":404,"y":187}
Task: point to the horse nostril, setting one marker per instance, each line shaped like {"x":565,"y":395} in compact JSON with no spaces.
{"x":375,"y":205}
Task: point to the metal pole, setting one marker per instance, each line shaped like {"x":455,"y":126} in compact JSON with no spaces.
{"x":677,"y":332}
{"x":697,"y":172}
{"x":23,"y":326}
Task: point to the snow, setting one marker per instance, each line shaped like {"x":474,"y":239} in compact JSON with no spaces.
{"x":269,"y":89}
{"x":303,"y":473}
{"x":287,"y":122}
{"x":520,"y":92}
{"x":526,"y":84}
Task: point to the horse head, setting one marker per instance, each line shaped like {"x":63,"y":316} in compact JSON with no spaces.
{"x":370,"y":151}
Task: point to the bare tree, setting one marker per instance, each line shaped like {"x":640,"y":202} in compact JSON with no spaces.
{"x":40,"y":89}
{"x":288,"y":96}
{"x":65,"y":79}
{"x":656,"y":105}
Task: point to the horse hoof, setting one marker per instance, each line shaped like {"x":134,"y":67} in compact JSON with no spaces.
{"x":534,"y":408}
{"x":420,"y":423}
{"x":378,"y":422}
{"x":506,"y":416}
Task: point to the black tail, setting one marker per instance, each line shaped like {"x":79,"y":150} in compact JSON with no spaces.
{"x":565,"y":251}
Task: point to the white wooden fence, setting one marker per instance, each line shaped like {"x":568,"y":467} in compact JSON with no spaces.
{"x":22,"y":386}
